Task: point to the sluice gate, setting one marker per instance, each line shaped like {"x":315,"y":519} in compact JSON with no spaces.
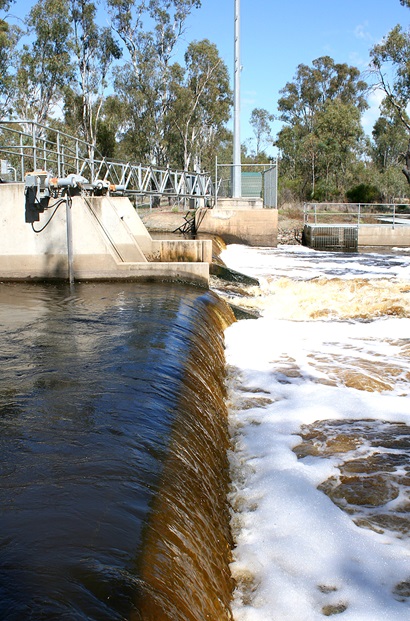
{"x":328,"y":237}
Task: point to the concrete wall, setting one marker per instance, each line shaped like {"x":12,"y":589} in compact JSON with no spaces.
{"x":181,"y":250}
{"x":373,"y":235}
{"x":255,"y":227}
{"x":105,"y":232}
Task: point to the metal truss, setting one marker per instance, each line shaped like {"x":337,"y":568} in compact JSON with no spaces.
{"x":27,"y":146}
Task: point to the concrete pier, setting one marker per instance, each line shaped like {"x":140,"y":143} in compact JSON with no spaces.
{"x":110,"y":242}
{"x":240,"y":224}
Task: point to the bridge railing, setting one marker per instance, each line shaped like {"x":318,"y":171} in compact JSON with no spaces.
{"x":356,"y":214}
{"x":26,"y":146}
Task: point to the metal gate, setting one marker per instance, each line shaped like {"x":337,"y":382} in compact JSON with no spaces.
{"x":270,"y":187}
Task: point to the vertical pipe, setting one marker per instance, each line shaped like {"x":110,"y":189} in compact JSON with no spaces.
{"x":237,"y":188}
{"x":68,"y":204}
{"x":216,"y":181}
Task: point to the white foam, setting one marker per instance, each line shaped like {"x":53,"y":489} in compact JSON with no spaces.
{"x":297,"y":554}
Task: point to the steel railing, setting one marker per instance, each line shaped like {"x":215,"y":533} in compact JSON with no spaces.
{"x":27,"y":146}
{"x":356,"y":214}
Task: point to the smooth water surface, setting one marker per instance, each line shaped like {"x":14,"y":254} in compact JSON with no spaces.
{"x":91,"y":381}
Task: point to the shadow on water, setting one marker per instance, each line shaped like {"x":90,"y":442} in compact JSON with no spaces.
{"x":112,"y":453}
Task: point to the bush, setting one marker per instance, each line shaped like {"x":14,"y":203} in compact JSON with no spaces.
{"x":364,"y":193}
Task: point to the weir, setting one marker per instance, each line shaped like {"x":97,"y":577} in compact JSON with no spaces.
{"x":113,"y":453}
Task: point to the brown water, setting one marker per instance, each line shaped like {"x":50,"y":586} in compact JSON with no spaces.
{"x":373,"y":484}
{"x":113,"y":472}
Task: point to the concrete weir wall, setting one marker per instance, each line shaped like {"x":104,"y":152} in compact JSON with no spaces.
{"x":384,"y":235}
{"x":255,"y":227}
{"x":109,"y":243}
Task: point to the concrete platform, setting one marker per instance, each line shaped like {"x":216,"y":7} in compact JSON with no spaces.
{"x":110,"y":242}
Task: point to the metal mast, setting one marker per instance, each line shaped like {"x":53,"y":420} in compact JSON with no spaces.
{"x":236,"y":185}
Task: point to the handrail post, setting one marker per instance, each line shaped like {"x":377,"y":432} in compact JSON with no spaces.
{"x":22,"y":157}
{"x":77,"y":157}
{"x":216,"y":181}
{"x":33,"y":133}
{"x":58,"y":155}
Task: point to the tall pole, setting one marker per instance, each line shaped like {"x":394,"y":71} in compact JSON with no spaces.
{"x":237,"y":186}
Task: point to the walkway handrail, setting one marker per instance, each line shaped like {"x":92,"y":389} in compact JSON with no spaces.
{"x":26,"y":146}
{"x":355,"y":214}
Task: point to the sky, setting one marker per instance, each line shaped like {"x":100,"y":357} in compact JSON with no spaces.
{"x":278,"y":35}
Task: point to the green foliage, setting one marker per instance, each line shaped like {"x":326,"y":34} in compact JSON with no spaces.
{"x":389,"y":142}
{"x":260,"y":122}
{"x":44,"y":66}
{"x":391,"y":66}
{"x":9,"y":37}
{"x":322,"y":136}
{"x":392,"y":57}
{"x":363,"y":193}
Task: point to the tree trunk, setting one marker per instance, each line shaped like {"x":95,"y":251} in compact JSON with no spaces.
{"x":406,"y":167}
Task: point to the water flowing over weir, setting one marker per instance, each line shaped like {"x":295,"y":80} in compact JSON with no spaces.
{"x":319,"y":412}
{"x":113,"y":468}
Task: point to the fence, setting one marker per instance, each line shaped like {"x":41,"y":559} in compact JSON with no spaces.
{"x":257,"y":181}
{"x":356,"y":214}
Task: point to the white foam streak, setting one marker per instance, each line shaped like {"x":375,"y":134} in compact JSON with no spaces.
{"x":299,"y":557}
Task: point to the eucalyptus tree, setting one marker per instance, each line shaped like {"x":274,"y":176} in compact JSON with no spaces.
{"x":9,"y":36}
{"x":150,"y":31}
{"x":201,"y":101}
{"x":389,"y":142}
{"x":94,"y":51}
{"x":260,"y":122}
{"x":390,"y":62}
{"x":44,"y":65}
{"x":321,"y":111}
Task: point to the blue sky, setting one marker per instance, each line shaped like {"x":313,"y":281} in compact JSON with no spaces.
{"x":277,"y":35}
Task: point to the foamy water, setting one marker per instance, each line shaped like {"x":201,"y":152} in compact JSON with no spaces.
{"x":319,"y":415}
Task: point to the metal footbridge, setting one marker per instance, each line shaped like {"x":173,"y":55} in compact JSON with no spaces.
{"x":27,"y":146}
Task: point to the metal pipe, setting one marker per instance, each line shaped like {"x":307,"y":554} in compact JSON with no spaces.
{"x":69,"y":241}
{"x":237,"y":185}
